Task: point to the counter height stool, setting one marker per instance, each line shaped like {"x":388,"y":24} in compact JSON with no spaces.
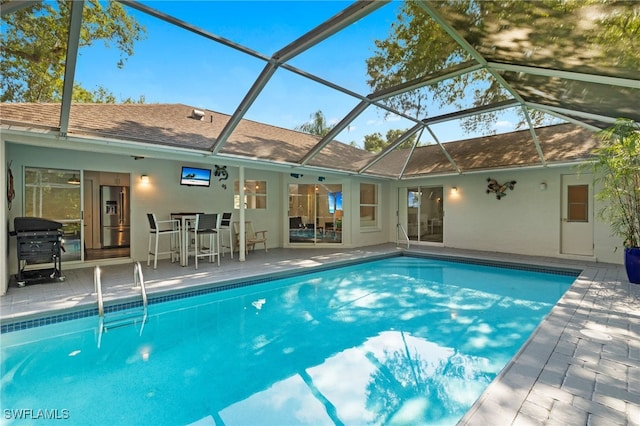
{"x":207,"y":224}
{"x":225,"y":225}
{"x":157,"y":228}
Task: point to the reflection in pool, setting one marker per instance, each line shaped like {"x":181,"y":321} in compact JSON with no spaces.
{"x":401,"y":340}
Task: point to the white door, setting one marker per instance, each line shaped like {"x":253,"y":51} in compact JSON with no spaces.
{"x":577,"y":215}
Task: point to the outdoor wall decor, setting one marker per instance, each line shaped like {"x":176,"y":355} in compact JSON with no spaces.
{"x":222,"y":174}
{"x":499,"y":190}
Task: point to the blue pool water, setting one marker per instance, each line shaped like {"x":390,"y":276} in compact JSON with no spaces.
{"x":402,"y":340}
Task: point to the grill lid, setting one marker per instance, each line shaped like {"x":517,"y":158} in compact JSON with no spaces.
{"x":26,"y":224}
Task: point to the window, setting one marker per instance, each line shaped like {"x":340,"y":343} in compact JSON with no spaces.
{"x":368,"y":205}
{"x":315,"y":213}
{"x":255,"y":194}
{"x":578,"y":203}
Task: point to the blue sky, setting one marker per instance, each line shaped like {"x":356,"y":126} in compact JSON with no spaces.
{"x":176,"y":66}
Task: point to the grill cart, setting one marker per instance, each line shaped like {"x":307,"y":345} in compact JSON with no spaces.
{"x":39,"y":243}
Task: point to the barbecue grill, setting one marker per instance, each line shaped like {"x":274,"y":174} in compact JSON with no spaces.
{"x":39,"y":243}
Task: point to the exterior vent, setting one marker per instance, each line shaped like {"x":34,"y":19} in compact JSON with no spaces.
{"x":196,"y":114}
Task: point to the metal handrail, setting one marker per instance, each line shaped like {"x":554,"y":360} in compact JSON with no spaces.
{"x":399,"y":225}
{"x":138,"y":280}
{"x":98,"y":286}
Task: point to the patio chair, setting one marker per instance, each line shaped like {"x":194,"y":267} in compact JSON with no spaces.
{"x":206,"y":225}
{"x":158,"y":228}
{"x":252,"y":237}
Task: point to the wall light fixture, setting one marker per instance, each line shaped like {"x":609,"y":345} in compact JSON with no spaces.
{"x":144,"y":179}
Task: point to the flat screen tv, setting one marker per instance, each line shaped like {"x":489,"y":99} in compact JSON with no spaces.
{"x":193,"y":176}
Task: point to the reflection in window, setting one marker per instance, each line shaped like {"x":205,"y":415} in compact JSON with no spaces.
{"x":55,"y":194}
{"x":255,"y":194}
{"x":315,"y":213}
{"x":368,"y":205}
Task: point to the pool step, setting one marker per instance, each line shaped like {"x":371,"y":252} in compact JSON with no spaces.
{"x":124,"y":318}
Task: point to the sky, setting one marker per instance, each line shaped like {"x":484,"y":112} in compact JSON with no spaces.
{"x":173,"y":65}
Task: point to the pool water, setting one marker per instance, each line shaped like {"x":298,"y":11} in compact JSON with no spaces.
{"x":395,"y":341}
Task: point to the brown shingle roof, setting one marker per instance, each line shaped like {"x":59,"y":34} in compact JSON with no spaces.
{"x":172,"y":125}
{"x":559,"y":143}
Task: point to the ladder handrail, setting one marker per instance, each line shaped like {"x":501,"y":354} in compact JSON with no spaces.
{"x":98,"y":286}
{"x":138,"y":280}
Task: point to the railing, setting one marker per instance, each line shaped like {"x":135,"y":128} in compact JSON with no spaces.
{"x":138,"y":280}
{"x":123,"y":318}
{"x":399,"y":227}
{"x":97,"y":283}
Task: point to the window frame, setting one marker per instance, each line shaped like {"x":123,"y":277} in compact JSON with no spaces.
{"x":255,"y":194}
{"x":374,"y":206}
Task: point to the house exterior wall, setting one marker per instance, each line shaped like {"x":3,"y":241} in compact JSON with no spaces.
{"x":162,"y":195}
{"x":526,"y":221}
{"x":4,"y":235}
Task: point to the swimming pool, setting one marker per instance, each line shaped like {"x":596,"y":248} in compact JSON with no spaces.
{"x":397,"y":340}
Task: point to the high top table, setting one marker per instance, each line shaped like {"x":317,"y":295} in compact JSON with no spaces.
{"x":185,"y":220}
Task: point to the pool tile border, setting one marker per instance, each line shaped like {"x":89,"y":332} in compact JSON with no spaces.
{"x":243,"y":282}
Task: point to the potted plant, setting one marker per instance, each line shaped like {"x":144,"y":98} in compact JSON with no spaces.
{"x":617,"y":169}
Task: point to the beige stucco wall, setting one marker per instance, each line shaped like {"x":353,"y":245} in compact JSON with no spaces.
{"x":527,"y":221}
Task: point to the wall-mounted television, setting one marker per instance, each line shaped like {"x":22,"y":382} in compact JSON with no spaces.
{"x":194,"y":176}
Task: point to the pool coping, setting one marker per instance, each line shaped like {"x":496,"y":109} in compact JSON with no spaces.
{"x":33,"y":320}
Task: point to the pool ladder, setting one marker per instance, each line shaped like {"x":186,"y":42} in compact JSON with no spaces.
{"x":125,"y":317}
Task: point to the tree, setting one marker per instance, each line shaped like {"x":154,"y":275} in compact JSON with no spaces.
{"x":374,"y":142}
{"x":34,"y":45}
{"x":416,"y":46}
{"x":317,"y":126}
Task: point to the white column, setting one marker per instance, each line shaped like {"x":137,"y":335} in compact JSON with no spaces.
{"x":241,"y":239}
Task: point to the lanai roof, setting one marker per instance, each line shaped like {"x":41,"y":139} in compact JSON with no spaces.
{"x":549,"y":57}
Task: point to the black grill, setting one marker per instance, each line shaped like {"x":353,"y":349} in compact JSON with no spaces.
{"x":39,"y":243}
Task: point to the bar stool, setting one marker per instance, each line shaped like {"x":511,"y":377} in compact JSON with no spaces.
{"x":157,"y":228}
{"x":225,"y":225}
{"x":206,"y":225}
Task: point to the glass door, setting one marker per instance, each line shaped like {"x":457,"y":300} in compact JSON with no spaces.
{"x":315,"y":213}
{"x":55,"y":194}
{"x":425,"y":214}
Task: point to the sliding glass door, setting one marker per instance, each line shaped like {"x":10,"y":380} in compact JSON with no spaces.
{"x":315,"y":213}
{"x":55,"y":194}
{"x":425,"y":214}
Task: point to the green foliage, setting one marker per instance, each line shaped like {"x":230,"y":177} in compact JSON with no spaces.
{"x":417,"y":46}
{"x":617,"y":169}
{"x":317,"y":126}
{"x":34,"y":45}
{"x":374,"y":142}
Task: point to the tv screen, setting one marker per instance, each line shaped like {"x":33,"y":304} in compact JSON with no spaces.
{"x":193,"y":176}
